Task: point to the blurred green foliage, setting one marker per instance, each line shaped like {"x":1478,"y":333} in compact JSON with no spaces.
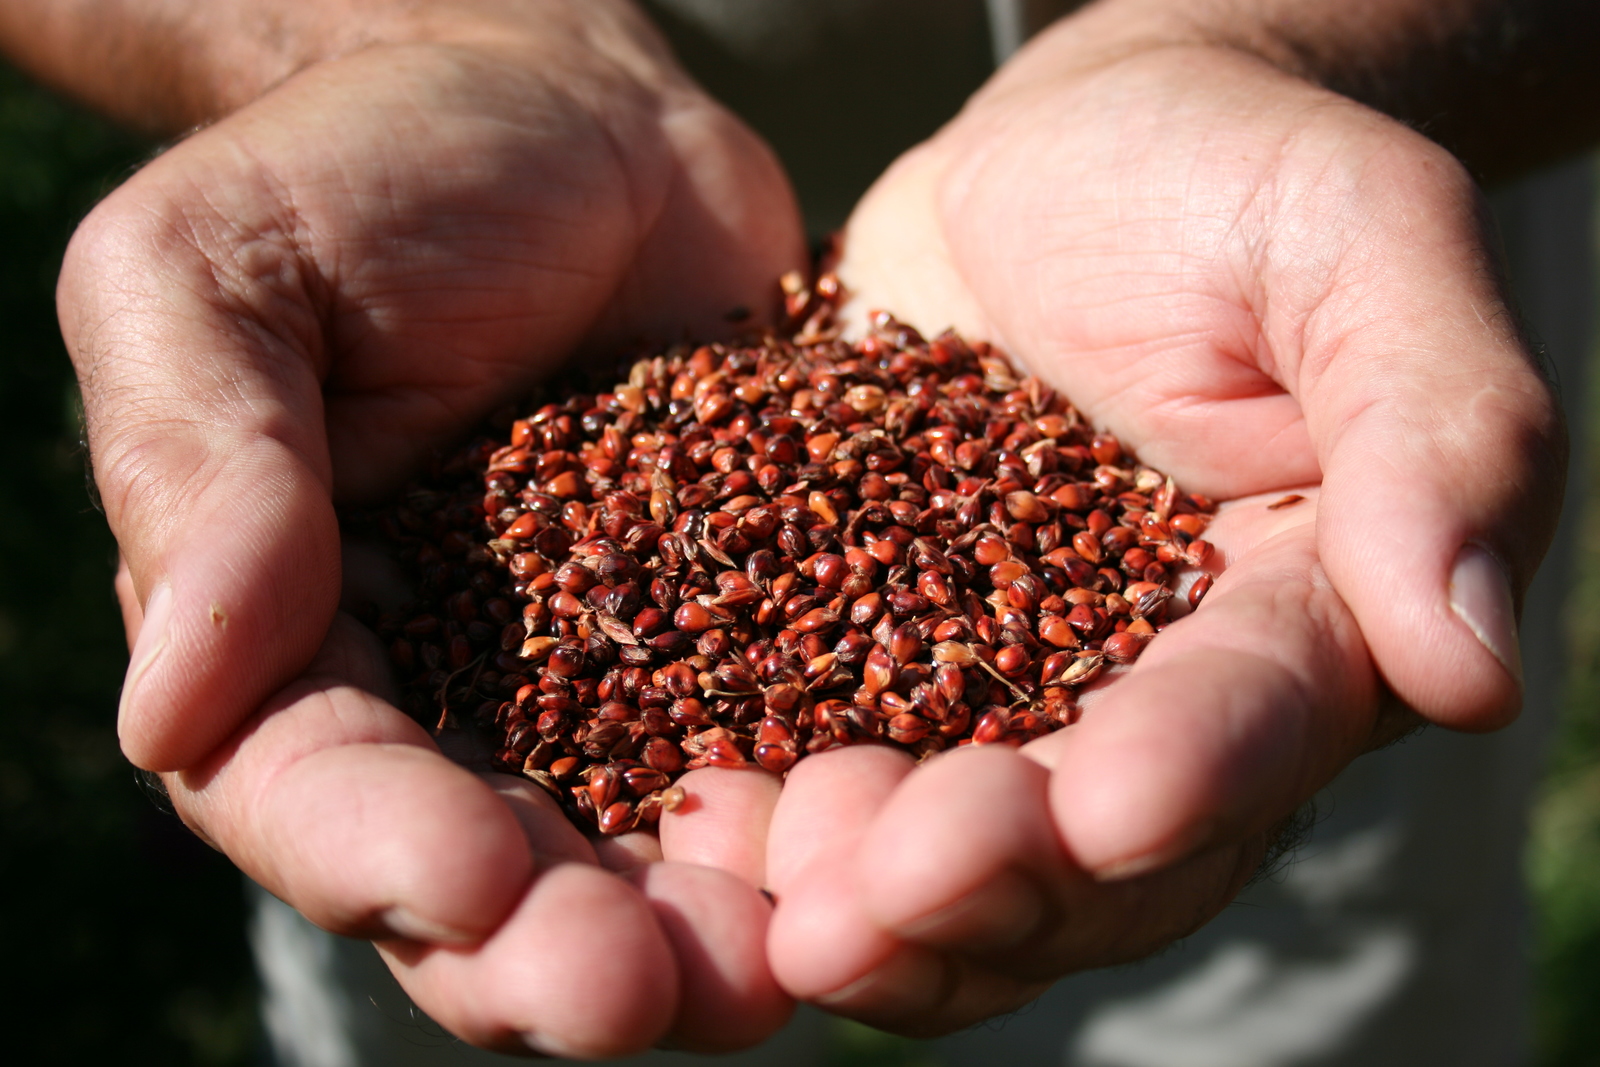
{"x":125,"y":934}
{"x":1564,"y":847}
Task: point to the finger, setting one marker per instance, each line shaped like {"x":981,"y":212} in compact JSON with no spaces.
{"x":825,"y":948}
{"x":580,"y":969}
{"x":723,"y":821}
{"x":826,"y":802}
{"x":627,"y":852}
{"x":893,"y":259}
{"x":717,"y":925}
{"x":841,"y":939}
{"x":127,"y":601}
{"x":1441,"y":446}
{"x":204,"y":413}
{"x":921,"y":991}
{"x":1233,"y":716}
{"x":550,"y":834}
{"x":965,"y":858}
{"x":961,"y":854}
{"x":821,"y":940}
{"x":716,"y":240}
{"x":341,"y":805}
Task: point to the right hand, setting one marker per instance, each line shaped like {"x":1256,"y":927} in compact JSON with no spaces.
{"x":1263,"y":289}
{"x":290,"y":309}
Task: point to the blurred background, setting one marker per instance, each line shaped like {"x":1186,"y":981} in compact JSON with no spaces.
{"x":126,"y":934}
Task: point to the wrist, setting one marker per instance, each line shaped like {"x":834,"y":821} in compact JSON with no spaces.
{"x":1507,"y":87}
{"x":171,"y":65}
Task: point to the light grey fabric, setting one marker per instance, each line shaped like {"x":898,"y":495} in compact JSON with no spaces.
{"x":1012,"y":22}
{"x":330,"y":1002}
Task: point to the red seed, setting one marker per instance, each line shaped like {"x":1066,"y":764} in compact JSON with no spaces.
{"x":990,"y":550}
{"x":525,"y":526}
{"x":1087,"y":545}
{"x":1011,"y":660}
{"x":774,"y":757}
{"x":817,"y":620}
{"x":1025,"y":507}
{"x":693,"y":618}
{"x":989,"y":729}
{"x":691,"y":576}
{"x":618,"y":818}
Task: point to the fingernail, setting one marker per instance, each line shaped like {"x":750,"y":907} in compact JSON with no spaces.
{"x":553,"y":1047}
{"x":911,"y":980}
{"x":1480,"y":595}
{"x":1182,"y":847}
{"x":999,"y":915}
{"x":151,"y":643}
{"x":406,"y":923}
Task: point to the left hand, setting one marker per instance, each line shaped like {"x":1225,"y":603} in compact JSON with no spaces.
{"x":1260,"y":287}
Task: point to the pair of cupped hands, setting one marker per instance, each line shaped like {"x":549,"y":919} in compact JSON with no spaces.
{"x":1259,"y":286}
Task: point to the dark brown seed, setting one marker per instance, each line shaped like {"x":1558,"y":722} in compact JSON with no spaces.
{"x":907,"y":728}
{"x":1026,"y":592}
{"x":565,"y":661}
{"x":662,"y":755}
{"x":642,"y":781}
{"x":714,"y":644}
{"x":925,"y":556}
{"x":679,"y":679}
{"x":905,"y":602}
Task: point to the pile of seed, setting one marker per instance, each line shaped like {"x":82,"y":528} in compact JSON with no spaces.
{"x":752,"y":552}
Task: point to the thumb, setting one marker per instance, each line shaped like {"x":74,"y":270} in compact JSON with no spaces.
{"x":1443,"y":455}
{"x":206,"y":431}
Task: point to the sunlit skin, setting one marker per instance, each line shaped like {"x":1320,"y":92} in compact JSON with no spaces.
{"x":1258,"y":286}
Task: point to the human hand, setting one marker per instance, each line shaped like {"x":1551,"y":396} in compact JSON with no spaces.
{"x":1261,"y":288}
{"x":290,"y":309}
